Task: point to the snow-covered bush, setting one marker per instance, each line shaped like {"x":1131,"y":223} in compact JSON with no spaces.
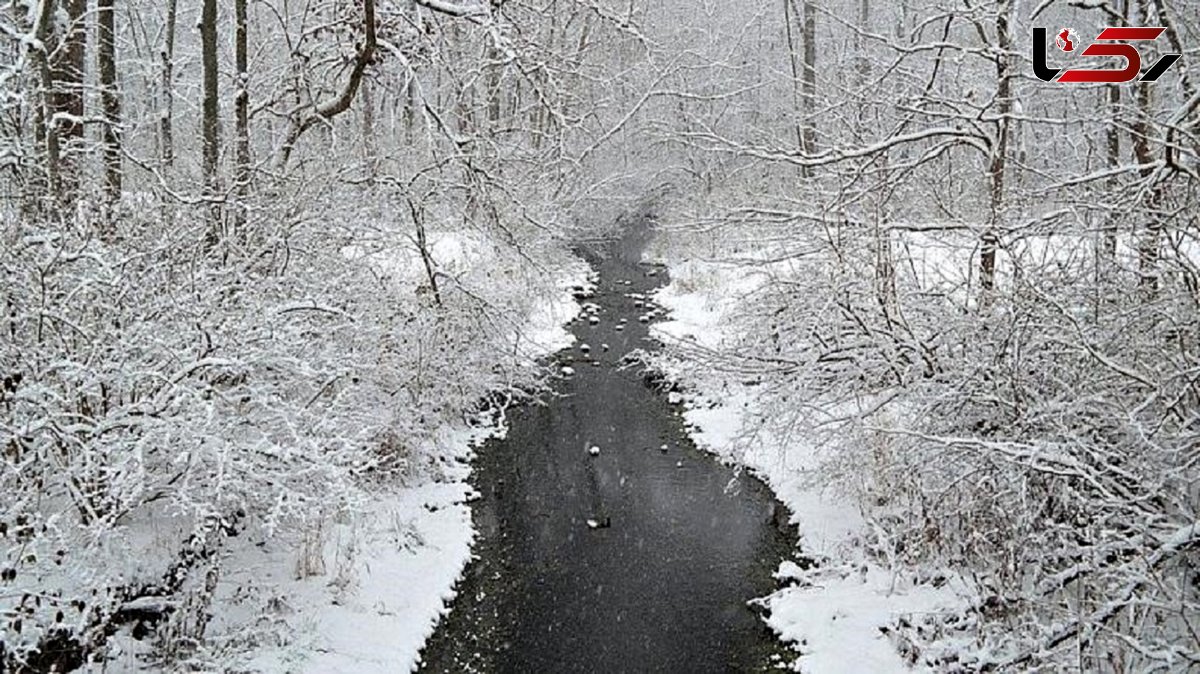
{"x":241,"y":317}
{"x":161,"y":396}
{"x":1043,"y":445}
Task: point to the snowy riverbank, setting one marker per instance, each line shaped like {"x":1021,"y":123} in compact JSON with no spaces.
{"x":362,"y":589}
{"x":836,"y":614}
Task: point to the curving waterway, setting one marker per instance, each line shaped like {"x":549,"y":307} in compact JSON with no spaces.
{"x":632,"y":559}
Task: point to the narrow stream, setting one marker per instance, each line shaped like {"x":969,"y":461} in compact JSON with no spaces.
{"x":677,"y":543}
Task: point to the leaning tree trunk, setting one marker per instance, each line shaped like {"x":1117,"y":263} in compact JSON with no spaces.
{"x":305,"y":119}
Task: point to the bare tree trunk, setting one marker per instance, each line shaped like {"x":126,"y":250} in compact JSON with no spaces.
{"x":210,"y":130}
{"x":168,"y":88}
{"x":1150,"y":237}
{"x":67,"y":68}
{"x":794,"y":61}
{"x":370,"y":146}
{"x":864,"y":62}
{"x":241,"y":105}
{"x":463,"y":93}
{"x":423,"y":248}
{"x":885,"y":266}
{"x":110,"y":103}
{"x":808,"y":82}
{"x":494,"y":71}
{"x":47,"y":129}
{"x":1113,"y":136}
{"x":999,"y":160}
{"x":410,"y":107}
{"x":515,"y":96}
{"x":885,"y":270}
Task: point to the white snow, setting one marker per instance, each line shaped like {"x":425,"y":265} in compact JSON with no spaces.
{"x":378,"y":579}
{"x":835,"y":616}
{"x":546,"y":330}
{"x":385,"y":575}
{"x":837,"y":620}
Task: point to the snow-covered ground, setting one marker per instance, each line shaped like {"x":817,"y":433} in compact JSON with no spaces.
{"x":370,"y":591}
{"x":365,"y":589}
{"x":838,"y":613}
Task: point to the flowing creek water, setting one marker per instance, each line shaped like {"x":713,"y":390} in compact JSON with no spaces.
{"x":635,"y":559}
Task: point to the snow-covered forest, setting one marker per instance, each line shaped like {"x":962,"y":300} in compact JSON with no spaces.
{"x":270,"y":270}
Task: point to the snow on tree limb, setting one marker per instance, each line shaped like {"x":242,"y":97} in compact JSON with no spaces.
{"x":456,"y":9}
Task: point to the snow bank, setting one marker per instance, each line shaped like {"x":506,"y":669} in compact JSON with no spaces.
{"x":840,"y":623}
{"x":838,"y":613}
{"x":365,"y":589}
{"x":547,"y":325}
{"x":370,"y":596}
{"x":455,"y":253}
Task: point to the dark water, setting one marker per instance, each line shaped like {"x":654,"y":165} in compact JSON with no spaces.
{"x":664,"y":587}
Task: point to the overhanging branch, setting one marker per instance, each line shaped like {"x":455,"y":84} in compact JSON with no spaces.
{"x":304,"y":119}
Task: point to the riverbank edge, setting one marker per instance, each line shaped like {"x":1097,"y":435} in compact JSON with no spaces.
{"x":373,"y":585}
{"x":838,"y":606}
